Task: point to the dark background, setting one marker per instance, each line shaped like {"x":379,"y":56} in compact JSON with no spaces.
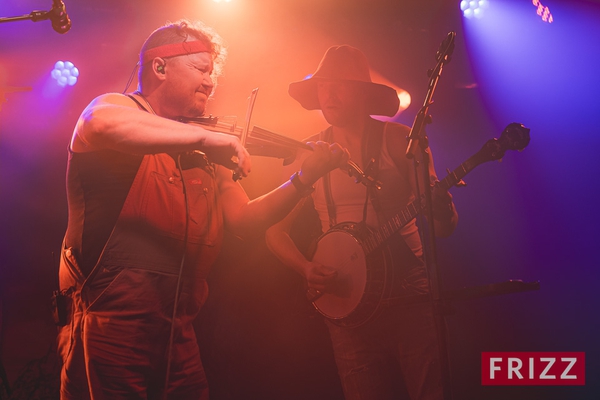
{"x":533,"y":217}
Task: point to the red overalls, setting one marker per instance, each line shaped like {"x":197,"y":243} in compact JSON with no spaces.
{"x":115,"y":344}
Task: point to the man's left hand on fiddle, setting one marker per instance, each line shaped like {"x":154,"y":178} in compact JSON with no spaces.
{"x":324,"y":158}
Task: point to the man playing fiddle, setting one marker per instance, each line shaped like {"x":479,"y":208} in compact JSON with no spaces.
{"x":147,"y":208}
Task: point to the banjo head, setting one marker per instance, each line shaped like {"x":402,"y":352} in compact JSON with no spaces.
{"x":342,"y":252}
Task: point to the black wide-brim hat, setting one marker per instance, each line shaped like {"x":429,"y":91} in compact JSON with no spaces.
{"x":346,"y":64}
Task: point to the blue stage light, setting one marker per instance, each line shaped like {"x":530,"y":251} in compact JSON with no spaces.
{"x":65,"y":73}
{"x":473,"y":8}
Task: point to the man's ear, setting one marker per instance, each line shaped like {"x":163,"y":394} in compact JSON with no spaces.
{"x":158,"y":67}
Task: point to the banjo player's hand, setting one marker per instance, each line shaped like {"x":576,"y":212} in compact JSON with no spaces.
{"x":319,"y":277}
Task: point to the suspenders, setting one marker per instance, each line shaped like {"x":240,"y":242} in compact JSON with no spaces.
{"x":371,"y":149}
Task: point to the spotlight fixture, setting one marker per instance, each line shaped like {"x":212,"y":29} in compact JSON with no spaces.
{"x":543,"y":11}
{"x":473,"y":8}
{"x":65,"y":73}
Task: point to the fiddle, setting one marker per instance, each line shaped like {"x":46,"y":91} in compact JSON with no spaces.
{"x":258,"y":141}
{"x":262,"y":142}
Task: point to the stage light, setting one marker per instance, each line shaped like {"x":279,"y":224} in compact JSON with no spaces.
{"x":65,"y":73}
{"x":404,"y":98}
{"x":473,"y":8}
{"x":222,"y":1}
{"x":543,"y":11}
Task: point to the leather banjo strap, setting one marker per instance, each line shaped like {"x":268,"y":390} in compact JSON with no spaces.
{"x":372,"y":141}
{"x":326,"y":136}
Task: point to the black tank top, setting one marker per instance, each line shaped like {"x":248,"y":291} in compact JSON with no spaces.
{"x":97,"y":185}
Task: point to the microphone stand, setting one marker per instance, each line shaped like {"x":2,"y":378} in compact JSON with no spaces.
{"x":417,"y":139}
{"x":35,"y":16}
{"x":57,"y":14}
{"x":60,"y":22}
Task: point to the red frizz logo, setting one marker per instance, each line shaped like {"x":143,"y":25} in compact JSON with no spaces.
{"x":533,"y":368}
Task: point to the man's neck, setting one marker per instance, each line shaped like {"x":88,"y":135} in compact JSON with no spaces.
{"x":351,"y":132}
{"x":152,"y":96}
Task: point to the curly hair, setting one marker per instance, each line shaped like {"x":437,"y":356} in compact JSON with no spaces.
{"x":183,"y":31}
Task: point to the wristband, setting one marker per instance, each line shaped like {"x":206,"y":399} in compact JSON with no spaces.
{"x":303,"y":190}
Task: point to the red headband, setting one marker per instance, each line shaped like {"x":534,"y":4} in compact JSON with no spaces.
{"x":174,"y":49}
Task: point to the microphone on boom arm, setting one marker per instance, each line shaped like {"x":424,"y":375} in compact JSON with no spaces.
{"x":61,"y":22}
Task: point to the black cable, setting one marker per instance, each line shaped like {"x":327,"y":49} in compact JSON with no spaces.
{"x":179,"y":278}
{"x":3,"y":377}
{"x":131,"y":77}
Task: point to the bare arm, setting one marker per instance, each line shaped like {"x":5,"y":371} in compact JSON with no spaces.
{"x":278,"y":239}
{"x":243,"y":216}
{"x":281,"y":244}
{"x":113,"y":121}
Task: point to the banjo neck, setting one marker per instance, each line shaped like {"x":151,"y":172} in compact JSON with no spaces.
{"x":365,"y":284}
{"x":376,"y":238}
{"x":514,"y":137}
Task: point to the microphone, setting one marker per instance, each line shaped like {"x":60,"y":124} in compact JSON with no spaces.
{"x":58,"y":15}
{"x":446,"y":49}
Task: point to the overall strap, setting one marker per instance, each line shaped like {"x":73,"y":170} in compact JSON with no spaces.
{"x":326,"y":136}
{"x":90,"y":278}
{"x":371,"y":149}
{"x":137,"y":102}
{"x":140,"y":105}
{"x":371,"y":152}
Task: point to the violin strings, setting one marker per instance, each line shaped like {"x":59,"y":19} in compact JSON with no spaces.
{"x":258,"y":136}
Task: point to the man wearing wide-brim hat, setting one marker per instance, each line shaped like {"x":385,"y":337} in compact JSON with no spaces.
{"x":383,"y":351}
{"x":347,"y":64}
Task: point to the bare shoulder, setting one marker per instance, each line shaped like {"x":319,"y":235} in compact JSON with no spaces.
{"x":106,"y":100}
{"x":396,"y":132}
{"x":117,"y":99}
{"x":396,"y":142}
{"x":80,"y":141}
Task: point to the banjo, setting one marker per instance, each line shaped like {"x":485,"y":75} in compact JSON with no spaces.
{"x":364,"y":265}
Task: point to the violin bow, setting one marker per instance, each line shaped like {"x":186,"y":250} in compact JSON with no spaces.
{"x":246,"y":128}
